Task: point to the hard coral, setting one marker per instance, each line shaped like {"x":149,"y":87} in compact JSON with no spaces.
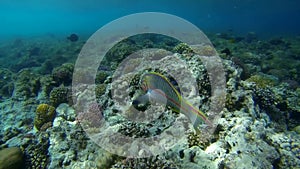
{"x":36,"y":151}
{"x":63,"y":74}
{"x":151,"y":162}
{"x":27,"y":85}
{"x":91,"y":117}
{"x":262,"y":81}
{"x":100,"y":90}
{"x":183,"y":48}
{"x":60,"y":95}
{"x":197,"y":140}
{"x":6,"y":82}
{"x":101,"y":77}
{"x":44,"y":114}
{"x":135,"y":130}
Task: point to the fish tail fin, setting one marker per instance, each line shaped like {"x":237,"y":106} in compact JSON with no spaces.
{"x":196,"y":116}
{"x":198,"y":121}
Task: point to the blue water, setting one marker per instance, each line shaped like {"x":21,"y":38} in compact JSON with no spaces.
{"x":35,"y":17}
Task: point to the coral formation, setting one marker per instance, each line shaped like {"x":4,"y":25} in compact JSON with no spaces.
{"x":183,"y":48}
{"x":134,"y":130}
{"x":6,"y":83}
{"x":60,"y":95}
{"x":151,"y":162}
{"x":36,"y":151}
{"x":100,"y":90}
{"x":47,"y":83}
{"x":11,"y":158}
{"x":258,"y":127}
{"x":262,"y":81}
{"x":92,"y":117}
{"x":44,"y":114}
{"x":195,"y":139}
{"x":63,"y":74}
{"x":101,"y":77}
{"x":27,"y":85}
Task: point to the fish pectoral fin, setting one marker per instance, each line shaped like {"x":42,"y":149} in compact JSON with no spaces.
{"x":143,"y":99}
{"x":157,"y":96}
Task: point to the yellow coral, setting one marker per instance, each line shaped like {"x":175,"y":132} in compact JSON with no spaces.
{"x":44,"y":114}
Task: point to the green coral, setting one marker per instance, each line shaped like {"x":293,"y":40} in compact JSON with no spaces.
{"x":121,"y":50}
{"x":6,"y":82}
{"x":44,"y":114}
{"x":100,"y":90}
{"x":262,"y":81}
{"x":27,"y":85}
{"x":297,"y":129}
{"x":63,"y":74}
{"x":183,"y":48}
{"x":60,"y":95}
{"x":101,"y":77}
{"x":47,"y":83}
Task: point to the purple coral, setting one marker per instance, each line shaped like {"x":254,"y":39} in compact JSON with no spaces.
{"x":91,"y":117}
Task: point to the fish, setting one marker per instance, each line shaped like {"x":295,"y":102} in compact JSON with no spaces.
{"x":159,"y":89}
{"x":73,"y":37}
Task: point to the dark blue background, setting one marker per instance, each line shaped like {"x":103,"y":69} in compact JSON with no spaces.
{"x":35,"y":17}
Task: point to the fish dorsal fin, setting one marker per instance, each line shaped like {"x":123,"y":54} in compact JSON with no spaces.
{"x":169,"y":83}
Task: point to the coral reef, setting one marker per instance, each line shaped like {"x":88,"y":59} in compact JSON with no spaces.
{"x":47,"y":83}
{"x":258,"y":127}
{"x":287,"y":145}
{"x":195,"y":139}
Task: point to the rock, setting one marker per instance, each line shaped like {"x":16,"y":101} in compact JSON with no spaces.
{"x":11,"y":158}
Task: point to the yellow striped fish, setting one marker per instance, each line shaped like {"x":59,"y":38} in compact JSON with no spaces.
{"x":158,"y":88}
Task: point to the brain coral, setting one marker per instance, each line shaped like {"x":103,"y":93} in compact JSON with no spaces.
{"x":44,"y":114}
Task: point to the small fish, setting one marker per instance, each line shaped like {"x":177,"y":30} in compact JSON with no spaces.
{"x":73,"y":37}
{"x":159,"y":89}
